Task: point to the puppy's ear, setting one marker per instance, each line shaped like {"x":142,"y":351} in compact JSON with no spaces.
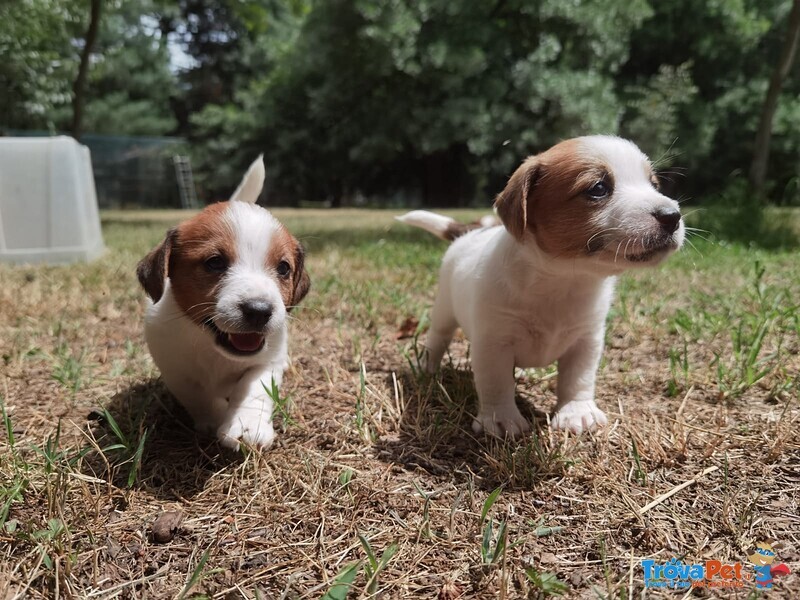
{"x":252,"y":183}
{"x":152,"y":269}
{"x":512,"y":203}
{"x":302,"y":282}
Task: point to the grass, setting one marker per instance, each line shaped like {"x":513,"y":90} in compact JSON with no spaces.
{"x":377,"y":487}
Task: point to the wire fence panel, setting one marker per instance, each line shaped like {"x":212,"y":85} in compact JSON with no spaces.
{"x":133,"y":172}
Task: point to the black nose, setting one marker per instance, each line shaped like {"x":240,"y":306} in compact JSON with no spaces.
{"x":669,"y":218}
{"x":256,"y":313}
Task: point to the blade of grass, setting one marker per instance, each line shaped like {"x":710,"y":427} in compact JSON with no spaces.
{"x":342,"y":583}
{"x":197,"y":575}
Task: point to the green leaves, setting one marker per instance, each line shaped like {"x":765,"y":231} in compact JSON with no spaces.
{"x":430,"y":101}
{"x":342,"y":583}
{"x":36,"y":70}
{"x":373,"y":567}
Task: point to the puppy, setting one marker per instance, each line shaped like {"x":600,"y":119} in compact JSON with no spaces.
{"x":538,"y":289}
{"x":220,"y":288}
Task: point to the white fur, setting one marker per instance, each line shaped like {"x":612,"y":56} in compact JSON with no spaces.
{"x":431,"y":222}
{"x":252,"y":227}
{"x":224,"y":393}
{"x":252,"y":183}
{"x":521,"y":307}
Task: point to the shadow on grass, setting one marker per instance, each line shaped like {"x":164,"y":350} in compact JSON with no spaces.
{"x":149,"y":444}
{"x":436,"y":435}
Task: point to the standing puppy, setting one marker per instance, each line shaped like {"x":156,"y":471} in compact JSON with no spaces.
{"x":220,"y":286}
{"x":539,"y":288}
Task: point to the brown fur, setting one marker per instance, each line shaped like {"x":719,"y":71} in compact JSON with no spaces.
{"x":456,"y":230}
{"x":186,"y":248}
{"x":182,"y":256}
{"x":199,"y":239}
{"x":295,"y":285}
{"x":152,"y":269}
{"x":545,"y":196}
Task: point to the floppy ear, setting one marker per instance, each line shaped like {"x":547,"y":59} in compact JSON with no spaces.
{"x":152,"y":269}
{"x":512,"y":203}
{"x":252,"y":183}
{"x":302,"y":282}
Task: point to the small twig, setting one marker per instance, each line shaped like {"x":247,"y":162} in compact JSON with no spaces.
{"x":675,"y":490}
{"x":695,"y":427}
{"x":120,"y":586}
{"x":683,"y":402}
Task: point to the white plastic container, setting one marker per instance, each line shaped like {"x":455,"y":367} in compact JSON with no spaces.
{"x":48,"y":204}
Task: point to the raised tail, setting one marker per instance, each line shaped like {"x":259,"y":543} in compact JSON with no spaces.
{"x":444,"y":227}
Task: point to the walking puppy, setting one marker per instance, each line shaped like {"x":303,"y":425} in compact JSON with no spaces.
{"x":221,"y":285}
{"x":538,"y":289}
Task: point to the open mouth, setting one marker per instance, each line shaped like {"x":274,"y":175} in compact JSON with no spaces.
{"x":242,"y":344}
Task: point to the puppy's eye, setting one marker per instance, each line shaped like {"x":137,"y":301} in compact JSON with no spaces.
{"x":216,"y":264}
{"x":656,"y":182}
{"x":284,"y":268}
{"x":599,"y":190}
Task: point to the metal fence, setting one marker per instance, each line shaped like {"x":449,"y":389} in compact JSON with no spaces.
{"x":137,"y":172}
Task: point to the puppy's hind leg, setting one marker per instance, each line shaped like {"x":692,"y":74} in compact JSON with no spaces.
{"x":443,"y":325}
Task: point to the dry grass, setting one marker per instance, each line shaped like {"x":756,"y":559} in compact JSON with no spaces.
{"x":378,"y":464}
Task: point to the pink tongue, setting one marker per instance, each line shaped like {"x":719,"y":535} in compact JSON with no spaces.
{"x":245,"y":342}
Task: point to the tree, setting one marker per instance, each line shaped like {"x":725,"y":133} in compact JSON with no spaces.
{"x":416,"y":101}
{"x":215,"y":34}
{"x":758,"y":168}
{"x":83,"y":68}
{"x":437,"y":99}
{"x":696,"y":78}
{"x":131,"y":88}
{"x":36,"y":67}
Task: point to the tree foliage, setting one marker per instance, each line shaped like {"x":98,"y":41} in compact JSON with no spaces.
{"x":426,"y":101}
{"x":35,"y":62}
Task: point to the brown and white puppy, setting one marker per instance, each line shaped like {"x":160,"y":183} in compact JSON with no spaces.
{"x":221,"y":285}
{"x":538,"y":289}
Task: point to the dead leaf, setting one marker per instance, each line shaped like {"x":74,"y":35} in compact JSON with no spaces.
{"x":166,"y":526}
{"x":407,"y":329}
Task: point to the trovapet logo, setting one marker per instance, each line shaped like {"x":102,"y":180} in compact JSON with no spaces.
{"x":675,"y":574}
{"x":762,"y":560}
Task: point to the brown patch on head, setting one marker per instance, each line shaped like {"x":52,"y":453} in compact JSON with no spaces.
{"x":512,"y":203}
{"x":152,"y":269}
{"x":286,"y":258}
{"x":546,"y":196}
{"x":202,"y":249}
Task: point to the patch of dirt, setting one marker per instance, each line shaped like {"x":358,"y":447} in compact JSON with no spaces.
{"x":375,"y":450}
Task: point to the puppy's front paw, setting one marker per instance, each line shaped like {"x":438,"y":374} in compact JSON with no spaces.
{"x":429,"y":365}
{"x":501,"y":423}
{"x":253,"y":430}
{"x":579,"y":417}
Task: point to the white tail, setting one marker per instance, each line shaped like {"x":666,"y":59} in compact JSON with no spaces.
{"x":438,"y":225}
{"x":252,"y":183}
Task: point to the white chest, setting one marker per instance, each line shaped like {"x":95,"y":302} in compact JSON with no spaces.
{"x":537,"y":346}
{"x":542,"y":331}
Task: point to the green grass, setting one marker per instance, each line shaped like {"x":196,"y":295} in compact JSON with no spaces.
{"x":376,"y":486}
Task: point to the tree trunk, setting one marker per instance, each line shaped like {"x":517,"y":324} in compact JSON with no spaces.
{"x":758,"y":168}
{"x":79,"y":86}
